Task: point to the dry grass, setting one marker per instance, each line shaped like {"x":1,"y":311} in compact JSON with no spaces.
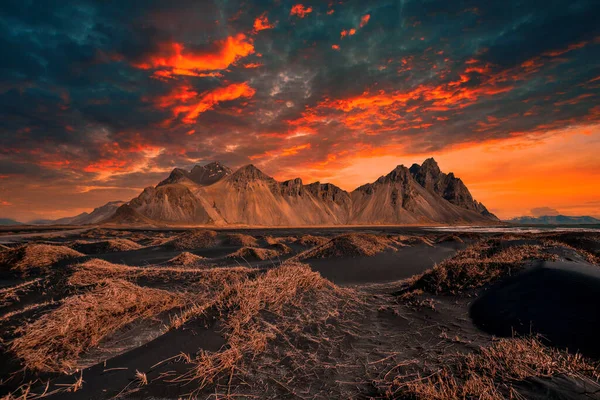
{"x":186,"y":259}
{"x":54,"y":342}
{"x":572,"y":245}
{"x":96,"y":270}
{"x":105,"y":246}
{"x":275,"y":240}
{"x":254,"y":253}
{"x":239,"y":239}
{"x":196,"y":239}
{"x":490,"y":372}
{"x":449,"y":238}
{"x":281,"y":248}
{"x":277,"y":305}
{"x":312,"y":241}
{"x":27,"y":258}
{"x":477,"y":266}
{"x":408,"y":240}
{"x":349,"y":245}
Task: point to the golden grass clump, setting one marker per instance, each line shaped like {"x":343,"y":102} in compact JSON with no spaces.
{"x":276,"y":305}
{"x":96,"y":270}
{"x":410,"y":240}
{"x":449,"y":238}
{"x":477,"y":266}
{"x":195,"y":239}
{"x":490,"y":372}
{"x":281,"y":248}
{"x":311,"y":241}
{"x":106,"y":246}
{"x":54,"y":342}
{"x":23,"y":259}
{"x":283,"y":239}
{"x":254,"y":253}
{"x":349,"y":245}
{"x":185,"y":259}
{"x":240,"y":239}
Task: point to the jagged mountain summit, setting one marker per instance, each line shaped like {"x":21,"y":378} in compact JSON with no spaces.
{"x":199,"y":175}
{"x":214,"y":195}
{"x":447,"y":186}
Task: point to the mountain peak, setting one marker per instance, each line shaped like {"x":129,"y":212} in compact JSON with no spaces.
{"x":203,"y":175}
{"x":250,"y":173}
{"x":431,"y":166}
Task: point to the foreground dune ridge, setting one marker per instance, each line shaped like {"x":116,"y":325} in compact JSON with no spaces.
{"x":284,"y":308}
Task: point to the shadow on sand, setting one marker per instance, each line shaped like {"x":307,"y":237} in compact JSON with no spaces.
{"x":558,"y":300}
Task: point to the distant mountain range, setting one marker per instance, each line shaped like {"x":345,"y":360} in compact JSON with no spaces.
{"x":8,"y":221}
{"x":555,"y":220}
{"x":98,"y":215}
{"x":214,"y":194}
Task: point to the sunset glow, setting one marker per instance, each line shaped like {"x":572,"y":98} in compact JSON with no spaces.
{"x":96,"y":110}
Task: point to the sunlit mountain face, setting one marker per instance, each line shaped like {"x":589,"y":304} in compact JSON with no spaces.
{"x":100,"y":99}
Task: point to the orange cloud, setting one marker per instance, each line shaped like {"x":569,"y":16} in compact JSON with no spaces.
{"x":300,"y":11}
{"x":177,"y":60}
{"x":364,"y":20}
{"x":253,"y":65}
{"x":210,"y":99}
{"x":261,"y":23}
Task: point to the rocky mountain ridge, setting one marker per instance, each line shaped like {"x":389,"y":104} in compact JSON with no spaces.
{"x":214,"y":195}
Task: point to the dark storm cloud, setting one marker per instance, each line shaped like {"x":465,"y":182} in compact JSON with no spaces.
{"x":135,"y":88}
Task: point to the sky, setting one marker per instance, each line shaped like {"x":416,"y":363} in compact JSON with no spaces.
{"x":99,"y":99}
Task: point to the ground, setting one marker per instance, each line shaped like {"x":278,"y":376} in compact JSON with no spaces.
{"x":98,"y":312}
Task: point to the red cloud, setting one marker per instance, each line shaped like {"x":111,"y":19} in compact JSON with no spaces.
{"x":210,"y":99}
{"x":176,"y":59}
{"x":300,"y":11}
{"x":364,"y":20}
{"x":261,"y":23}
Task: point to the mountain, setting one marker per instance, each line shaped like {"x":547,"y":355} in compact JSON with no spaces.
{"x":8,"y":221}
{"x":447,"y":186}
{"x":555,"y":220}
{"x":398,"y":198}
{"x":213,"y":195}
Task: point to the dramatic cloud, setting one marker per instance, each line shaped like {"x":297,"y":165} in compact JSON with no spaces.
{"x":261,"y":23}
{"x":300,"y":11}
{"x":99,"y":99}
{"x":173,"y":58}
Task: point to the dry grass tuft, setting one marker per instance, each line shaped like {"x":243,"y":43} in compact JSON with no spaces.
{"x":491,"y":372}
{"x":96,"y":270}
{"x":409,"y":240}
{"x":186,"y":259}
{"x":275,"y":240}
{"x":54,"y":342}
{"x":196,"y":239}
{"x":254,"y":253}
{"x":312,"y":241}
{"x":239,"y":239}
{"x":105,"y":246}
{"x":348,"y":245}
{"x":282,"y":248}
{"x":24,"y":259}
{"x":279,"y":304}
{"x":477,"y":266}
{"x":449,"y":238}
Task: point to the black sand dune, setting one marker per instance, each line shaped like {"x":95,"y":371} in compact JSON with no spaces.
{"x":386,"y":266}
{"x":558,"y":300}
{"x":107,"y":380}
